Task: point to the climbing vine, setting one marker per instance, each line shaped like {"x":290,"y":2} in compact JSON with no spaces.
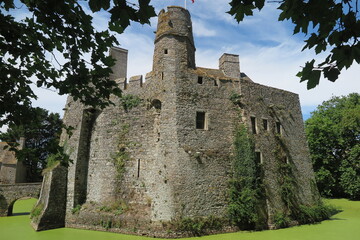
{"x":121,"y":156}
{"x":245,"y":185}
{"x":294,"y":211}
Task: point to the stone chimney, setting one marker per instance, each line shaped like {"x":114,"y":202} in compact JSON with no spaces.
{"x":230,"y":65}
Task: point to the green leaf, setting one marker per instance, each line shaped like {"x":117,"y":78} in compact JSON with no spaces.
{"x":95,"y":5}
{"x":331,"y":73}
{"x":314,"y":79}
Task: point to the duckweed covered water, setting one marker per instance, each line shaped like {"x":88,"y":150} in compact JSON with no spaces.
{"x":345,"y":225}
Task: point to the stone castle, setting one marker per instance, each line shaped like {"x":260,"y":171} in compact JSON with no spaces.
{"x":163,"y":152}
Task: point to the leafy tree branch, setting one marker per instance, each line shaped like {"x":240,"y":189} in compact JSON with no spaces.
{"x":331,"y":26}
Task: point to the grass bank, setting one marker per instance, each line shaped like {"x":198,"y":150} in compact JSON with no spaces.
{"x":344,"y":225}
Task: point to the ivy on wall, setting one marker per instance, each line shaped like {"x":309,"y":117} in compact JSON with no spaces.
{"x":294,"y":211}
{"x":121,"y":156}
{"x":245,"y":185}
{"x":130,"y":101}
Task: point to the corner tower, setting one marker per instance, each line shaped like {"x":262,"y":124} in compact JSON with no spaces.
{"x":174,"y":42}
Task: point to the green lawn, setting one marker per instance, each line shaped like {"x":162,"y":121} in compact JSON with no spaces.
{"x":345,"y":225}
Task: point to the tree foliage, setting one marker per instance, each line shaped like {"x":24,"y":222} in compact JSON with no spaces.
{"x":48,"y":46}
{"x":332,"y":27}
{"x":333,"y":133}
{"x":42,"y":132}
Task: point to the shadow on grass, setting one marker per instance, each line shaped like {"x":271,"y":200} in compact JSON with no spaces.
{"x":21,"y":214}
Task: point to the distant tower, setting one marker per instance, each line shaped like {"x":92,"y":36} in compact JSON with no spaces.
{"x":174,"y":42}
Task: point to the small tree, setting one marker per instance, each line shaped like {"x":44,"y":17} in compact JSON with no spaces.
{"x":41,"y":131}
{"x":333,"y":133}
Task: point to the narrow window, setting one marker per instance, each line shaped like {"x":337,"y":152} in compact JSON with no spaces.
{"x":215,"y":83}
{"x":278,"y":128}
{"x":286,"y":160}
{"x":165,"y":51}
{"x":162,"y":75}
{"x":201,"y":121}
{"x":138,"y":168}
{"x":258,"y":157}
{"x":200,"y":80}
{"x":265,"y":124}
{"x":253,"y":124}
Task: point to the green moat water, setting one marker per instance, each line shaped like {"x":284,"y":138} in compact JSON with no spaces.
{"x":343,"y":226}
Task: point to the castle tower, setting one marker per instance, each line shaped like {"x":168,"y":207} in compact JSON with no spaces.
{"x":174,"y":42}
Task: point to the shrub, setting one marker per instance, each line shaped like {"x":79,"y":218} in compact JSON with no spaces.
{"x":199,"y":226}
{"x":281,"y":220}
{"x":316,"y":213}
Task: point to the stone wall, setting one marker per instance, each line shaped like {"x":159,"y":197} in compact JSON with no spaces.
{"x":9,"y":193}
{"x":52,"y":201}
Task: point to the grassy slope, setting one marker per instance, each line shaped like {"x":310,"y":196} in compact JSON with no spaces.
{"x":345,"y":225}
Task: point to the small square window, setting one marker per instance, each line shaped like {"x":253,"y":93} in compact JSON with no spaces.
{"x":201,"y":120}
{"x":165,"y":51}
{"x":200,"y":80}
{"x":253,"y":125}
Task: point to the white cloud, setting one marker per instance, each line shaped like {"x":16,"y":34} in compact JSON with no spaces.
{"x":201,"y":29}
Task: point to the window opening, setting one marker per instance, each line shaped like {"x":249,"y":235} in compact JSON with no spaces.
{"x":265,"y":124}
{"x":278,"y":127}
{"x":162,"y":75}
{"x":201,"y":121}
{"x":200,"y":80}
{"x":215,"y":83}
{"x":258,"y":157}
{"x":138,"y":168}
{"x":253,"y":124}
{"x":165,"y":51}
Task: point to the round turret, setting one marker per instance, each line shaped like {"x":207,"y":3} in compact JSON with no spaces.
{"x":174,"y":42}
{"x":176,"y":21}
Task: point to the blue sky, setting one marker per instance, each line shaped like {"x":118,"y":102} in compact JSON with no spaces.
{"x":269,"y":53}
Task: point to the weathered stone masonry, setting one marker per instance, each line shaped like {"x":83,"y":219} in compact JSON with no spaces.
{"x":163,"y":152}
